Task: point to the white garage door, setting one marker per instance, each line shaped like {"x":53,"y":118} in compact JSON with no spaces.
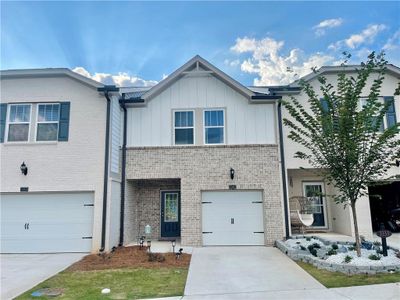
{"x":232,"y":218}
{"x":46,"y":223}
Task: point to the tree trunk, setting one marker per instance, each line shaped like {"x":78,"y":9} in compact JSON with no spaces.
{"x":356,"y":233}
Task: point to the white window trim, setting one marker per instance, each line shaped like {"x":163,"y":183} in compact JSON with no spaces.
{"x":204,"y":126}
{"x":46,"y":122}
{"x":187,"y":127}
{"x":324,"y":204}
{"x":8,"y":122}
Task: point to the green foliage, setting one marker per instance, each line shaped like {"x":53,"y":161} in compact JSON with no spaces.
{"x":347,"y":259}
{"x":342,"y":137}
{"x":335,"y":246}
{"x":302,"y":247}
{"x":376,"y":243}
{"x":331,"y":252}
{"x":374,"y":257}
{"x":351,"y":248}
{"x":379,"y":251}
{"x":313,"y":249}
{"x":316,"y":245}
{"x":308,"y":239}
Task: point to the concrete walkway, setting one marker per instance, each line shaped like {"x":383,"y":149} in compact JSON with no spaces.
{"x":20,"y":272}
{"x":237,"y":270}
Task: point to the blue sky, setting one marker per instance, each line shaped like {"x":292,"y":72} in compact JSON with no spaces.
{"x":137,"y":43}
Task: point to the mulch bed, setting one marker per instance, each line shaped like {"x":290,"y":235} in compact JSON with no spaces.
{"x":128,"y":257}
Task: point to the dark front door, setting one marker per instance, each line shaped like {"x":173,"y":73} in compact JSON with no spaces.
{"x":170,"y":214}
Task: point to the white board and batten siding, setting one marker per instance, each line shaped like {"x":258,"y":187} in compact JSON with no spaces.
{"x":232,"y":218}
{"x":116,"y":133}
{"x":245,"y":123}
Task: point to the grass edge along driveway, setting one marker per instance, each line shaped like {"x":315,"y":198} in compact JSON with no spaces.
{"x":125,"y":283}
{"x":337,"y":279}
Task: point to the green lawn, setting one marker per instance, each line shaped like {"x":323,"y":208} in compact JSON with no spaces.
{"x":337,"y":279}
{"x":124,"y":284}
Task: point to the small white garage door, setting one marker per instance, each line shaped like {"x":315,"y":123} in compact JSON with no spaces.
{"x":46,"y":223}
{"x":232,"y":218}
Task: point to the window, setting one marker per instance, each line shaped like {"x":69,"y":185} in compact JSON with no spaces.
{"x":363,"y":102}
{"x":19,"y":119}
{"x":184,"y":128}
{"x":214,"y":127}
{"x":47,"y":122}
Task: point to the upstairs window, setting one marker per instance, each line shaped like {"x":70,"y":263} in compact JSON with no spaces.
{"x":214,"y":127}
{"x":363,"y":102}
{"x":48,"y":117}
{"x":184,"y":127}
{"x":19,"y":119}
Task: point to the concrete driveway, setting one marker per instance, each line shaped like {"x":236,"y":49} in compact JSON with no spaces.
{"x":243,"y":270}
{"x":20,"y":272}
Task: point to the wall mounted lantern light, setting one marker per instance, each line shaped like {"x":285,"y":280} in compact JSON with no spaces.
{"x":232,"y":173}
{"x":24,"y":168}
{"x":173,"y":242}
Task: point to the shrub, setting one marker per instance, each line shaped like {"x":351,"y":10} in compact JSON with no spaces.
{"x":398,"y":254}
{"x":313,"y":251}
{"x":374,"y":257}
{"x":379,"y":251}
{"x":302,"y":247}
{"x":376,"y":243}
{"x":347,"y":259}
{"x":297,"y":242}
{"x":331,"y":252}
{"x":335,"y":246}
{"x":316,"y":245}
{"x":308,"y":239}
{"x":351,"y":248}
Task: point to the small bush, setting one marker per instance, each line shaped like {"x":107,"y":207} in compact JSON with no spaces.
{"x":331,"y":252}
{"x":379,"y":251}
{"x":351,"y":248}
{"x":303,"y":248}
{"x":376,"y":243}
{"x":308,"y":239}
{"x":347,"y":259}
{"x":398,"y":254}
{"x":313,"y":252}
{"x":297,"y":242}
{"x":374,"y":257}
{"x":335,"y":246}
{"x":316,"y":245}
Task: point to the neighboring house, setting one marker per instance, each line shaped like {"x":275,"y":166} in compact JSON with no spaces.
{"x":304,"y":181}
{"x":202,"y":161}
{"x":53,"y":126}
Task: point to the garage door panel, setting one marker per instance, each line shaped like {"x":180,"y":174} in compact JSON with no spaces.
{"x":57,"y":222}
{"x":232,"y":218}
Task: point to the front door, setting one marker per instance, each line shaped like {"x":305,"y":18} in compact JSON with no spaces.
{"x":314,"y":191}
{"x":170,"y":214}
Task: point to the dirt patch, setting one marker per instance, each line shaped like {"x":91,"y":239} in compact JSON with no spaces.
{"x":128,"y":257}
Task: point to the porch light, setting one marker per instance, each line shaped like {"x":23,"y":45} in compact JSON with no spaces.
{"x":24,"y":168}
{"x":232,"y":173}
{"x":173,"y":242}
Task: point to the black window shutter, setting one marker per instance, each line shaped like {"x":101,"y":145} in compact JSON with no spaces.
{"x":3,"y":116}
{"x":63,"y":128}
{"x":391,"y":113}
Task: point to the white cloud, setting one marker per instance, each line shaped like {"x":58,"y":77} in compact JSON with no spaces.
{"x":367,"y":36}
{"x":320,"y":29}
{"x":271,"y":66}
{"x":121,"y":79}
{"x":393,"y":43}
{"x":232,"y":63}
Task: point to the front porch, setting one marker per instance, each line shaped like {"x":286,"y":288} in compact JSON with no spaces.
{"x":154,"y":202}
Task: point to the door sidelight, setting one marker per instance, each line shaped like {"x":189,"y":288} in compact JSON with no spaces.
{"x":232,"y":220}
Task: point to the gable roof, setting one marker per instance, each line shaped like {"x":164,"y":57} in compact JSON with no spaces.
{"x":49,"y":72}
{"x":390,"y":69}
{"x":200,"y":65}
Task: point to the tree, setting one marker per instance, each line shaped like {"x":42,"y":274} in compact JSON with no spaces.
{"x":346,"y":141}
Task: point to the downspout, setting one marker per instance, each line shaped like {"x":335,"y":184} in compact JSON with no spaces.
{"x":106,"y":90}
{"x":283,"y":171}
{"x":123,"y":173}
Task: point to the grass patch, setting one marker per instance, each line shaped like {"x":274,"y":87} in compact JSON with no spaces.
{"x":125,"y":283}
{"x":337,"y":279}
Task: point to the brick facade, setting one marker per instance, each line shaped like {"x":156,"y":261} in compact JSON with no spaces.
{"x":201,"y":168}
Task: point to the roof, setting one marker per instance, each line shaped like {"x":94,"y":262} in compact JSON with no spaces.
{"x":49,"y":72}
{"x":390,"y":68}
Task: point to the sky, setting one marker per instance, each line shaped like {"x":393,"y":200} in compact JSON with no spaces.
{"x":140,"y":43}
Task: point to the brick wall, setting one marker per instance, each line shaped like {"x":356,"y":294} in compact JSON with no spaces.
{"x":206,"y":168}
